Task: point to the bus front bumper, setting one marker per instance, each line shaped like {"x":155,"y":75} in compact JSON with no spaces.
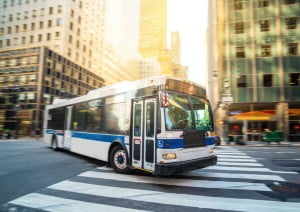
{"x":184,"y":166}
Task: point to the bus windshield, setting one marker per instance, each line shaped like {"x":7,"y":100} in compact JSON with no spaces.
{"x":186,"y":112}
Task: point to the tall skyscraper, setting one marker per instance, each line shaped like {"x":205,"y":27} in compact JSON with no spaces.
{"x":153,"y":32}
{"x":254,"y":65}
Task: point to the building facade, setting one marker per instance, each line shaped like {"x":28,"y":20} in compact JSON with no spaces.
{"x":153,"y":33}
{"x":73,"y":28}
{"x":30,"y":79}
{"x":254,"y":67}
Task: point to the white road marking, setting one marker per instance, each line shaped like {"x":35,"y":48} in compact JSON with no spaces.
{"x":239,"y":164}
{"x":250,"y":169}
{"x":237,"y":159}
{"x":229,"y":153}
{"x":57,"y":204}
{"x":236,"y":175}
{"x":233,"y":156}
{"x":231,"y":204}
{"x":178,"y":182}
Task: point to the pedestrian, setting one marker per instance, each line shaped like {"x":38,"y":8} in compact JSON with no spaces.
{"x":37,"y":133}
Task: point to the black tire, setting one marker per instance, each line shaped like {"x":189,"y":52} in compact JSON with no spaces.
{"x":54,"y":143}
{"x":119,"y":160}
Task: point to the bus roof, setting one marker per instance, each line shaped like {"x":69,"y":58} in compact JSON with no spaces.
{"x":117,"y":88}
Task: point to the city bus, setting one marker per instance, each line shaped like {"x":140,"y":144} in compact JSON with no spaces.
{"x":160,"y":125}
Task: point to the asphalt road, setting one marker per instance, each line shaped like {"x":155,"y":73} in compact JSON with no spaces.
{"x":28,"y":166}
{"x":35,"y":178}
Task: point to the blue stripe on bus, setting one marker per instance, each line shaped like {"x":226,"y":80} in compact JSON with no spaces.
{"x":178,"y":143}
{"x":56,"y":132}
{"x":98,"y":137}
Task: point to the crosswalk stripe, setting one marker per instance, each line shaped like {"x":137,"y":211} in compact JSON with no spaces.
{"x":237,"y":159}
{"x":248,"y":169}
{"x":57,"y":204}
{"x":233,"y":156}
{"x":239,"y":164}
{"x":178,"y":182}
{"x":236,"y":175}
{"x":232,"y":204}
{"x":229,"y":153}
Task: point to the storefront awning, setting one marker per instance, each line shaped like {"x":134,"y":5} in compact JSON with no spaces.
{"x":254,"y":116}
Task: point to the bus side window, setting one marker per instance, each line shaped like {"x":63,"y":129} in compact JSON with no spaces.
{"x":137,"y":120}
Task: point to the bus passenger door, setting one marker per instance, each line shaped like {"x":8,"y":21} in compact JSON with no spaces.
{"x":144,"y":131}
{"x":67,"y":132}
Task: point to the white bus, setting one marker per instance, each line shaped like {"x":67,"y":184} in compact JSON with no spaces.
{"x":159,"y":125}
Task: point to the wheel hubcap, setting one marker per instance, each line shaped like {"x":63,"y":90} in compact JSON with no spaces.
{"x":120,"y":159}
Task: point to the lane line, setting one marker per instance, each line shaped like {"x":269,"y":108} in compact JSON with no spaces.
{"x":178,"y":182}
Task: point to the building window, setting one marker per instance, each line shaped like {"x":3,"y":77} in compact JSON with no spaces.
{"x":78,"y":32}
{"x":31,"y":39}
{"x":15,"y":41}
{"x":268,"y":80}
{"x":42,"y":11}
{"x":263,"y":3}
{"x":1,"y":43}
{"x":292,"y":49}
{"x":9,"y":30}
{"x":25,"y":15}
{"x":7,"y":42}
{"x":33,"y":13}
{"x":18,"y":16}
{"x":242,"y":81}
{"x":70,"y":39}
{"x":266,"y":50}
{"x":23,"y":40}
{"x":41,"y":24}
{"x":40,"y":37}
{"x":238,"y":4}
{"x":240,"y":52}
{"x":49,"y":23}
{"x":17,"y":28}
{"x":79,"y":19}
{"x":289,"y":1}
{"x":239,"y":28}
{"x":72,"y":13}
{"x":32,"y":26}
{"x":58,"y":22}
{"x":50,"y":10}
{"x":71,"y":26}
{"x":294,"y":79}
{"x":24,"y":27}
{"x":59,"y":9}
{"x":78,"y":44}
{"x":10,"y":18}
{"x":69,"y":52}
{"x":48,"y":36}
{"x":264,"y":25}
{"x":291,"y":23}
{"x":57,"y":34}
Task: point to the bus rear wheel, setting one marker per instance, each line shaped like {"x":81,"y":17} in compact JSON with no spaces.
{"x":119,"y":160}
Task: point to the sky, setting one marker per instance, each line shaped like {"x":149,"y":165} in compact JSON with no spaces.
{"x":189,"y":17}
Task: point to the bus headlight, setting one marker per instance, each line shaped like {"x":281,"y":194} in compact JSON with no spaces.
{"x":211,"y":150}
{"x":169,"y":156}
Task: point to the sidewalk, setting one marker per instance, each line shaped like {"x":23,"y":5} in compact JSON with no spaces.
{"x":22,"y":139}
{"x":260,"y":143}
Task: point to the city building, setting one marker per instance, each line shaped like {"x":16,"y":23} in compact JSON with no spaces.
{"x":73,"y":28}
{"x":153,"y":33}
{"x":178,"y":70}
{"x":31,"y":78}
{"x":254,"y":67}
{"x":149,"y":67}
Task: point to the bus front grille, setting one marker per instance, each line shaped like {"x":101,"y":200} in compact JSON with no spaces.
{"x":194,"y":138}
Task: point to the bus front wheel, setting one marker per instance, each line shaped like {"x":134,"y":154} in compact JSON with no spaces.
{"x":119,"y":160}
